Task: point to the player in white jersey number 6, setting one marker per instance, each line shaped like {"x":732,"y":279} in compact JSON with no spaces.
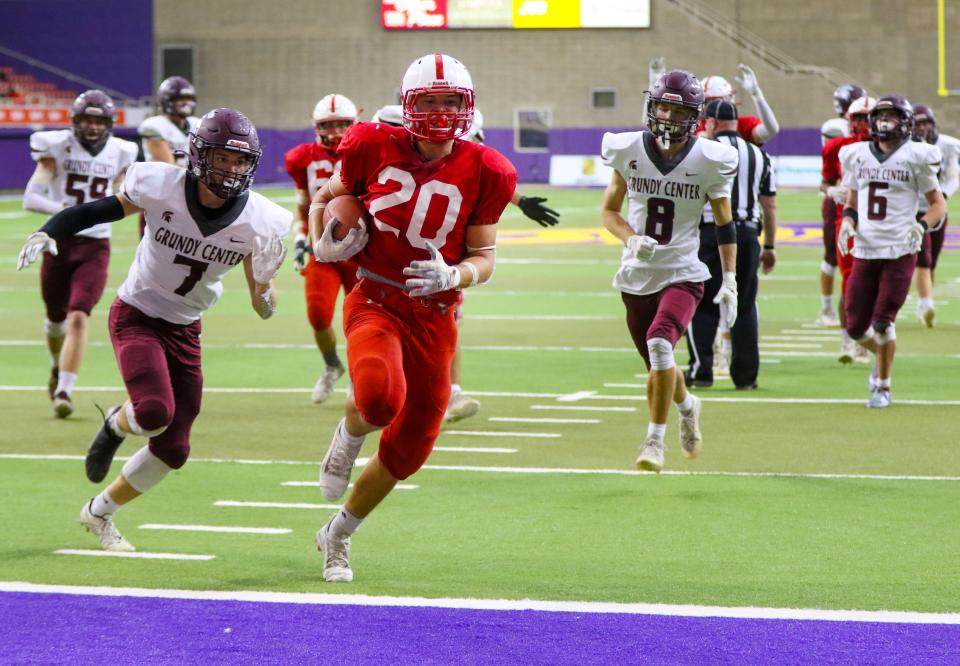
{"x":668,"y":175}
{"x":200,"y":223}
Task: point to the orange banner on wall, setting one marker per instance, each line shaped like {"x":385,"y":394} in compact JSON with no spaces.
{"x":28,"y":116}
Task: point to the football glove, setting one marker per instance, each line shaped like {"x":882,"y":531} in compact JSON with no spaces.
{"x":432,"y":275}
{"x":915,"y":237}
{"x":533,"y":208}
{"x":36,"y":243}
{"x":726,"y":298}
{"x":328,"y":249}
{"x":847,"y":231}
{"x":301,"y":253}
{"x":642,"y":247}
{"x":838,"y":194}
{"x":747,"y":81}
{"x":267,"y":257}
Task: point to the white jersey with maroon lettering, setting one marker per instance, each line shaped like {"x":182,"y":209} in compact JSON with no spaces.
{"x":887,"y":187}
{"x":664,"y":201}
{"x":177,"y":272}
{"x":82,"y":177}
{"x":161,"y":127}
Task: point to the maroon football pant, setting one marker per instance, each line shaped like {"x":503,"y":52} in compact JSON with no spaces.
{"x":399,"y":351}
{"x":932,"y":247}
{"x":160,"y":366}
{"x":876,"y":291}
{"x":74,"y":279}
{"x":665,"y":314}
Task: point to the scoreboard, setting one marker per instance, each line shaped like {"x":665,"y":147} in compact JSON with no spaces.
{"x":509,"y":14}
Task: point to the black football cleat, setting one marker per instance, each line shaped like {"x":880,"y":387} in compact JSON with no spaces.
{"x":102,"y":449}
{"x":53,"y":381}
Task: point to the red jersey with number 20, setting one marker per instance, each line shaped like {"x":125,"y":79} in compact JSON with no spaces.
{"x":413,"y":201}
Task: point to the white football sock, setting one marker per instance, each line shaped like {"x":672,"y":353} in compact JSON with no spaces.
{"x":826,"y":302}
{"x":657,"y":430}
{"x":686,"y":404}
{"x":345,"y":523}
{"x":65,"y":382}
{"x":103,"y":505}
{"x":925,"y":303}
{"x":454,"y":389}
{"x":353,"y":440}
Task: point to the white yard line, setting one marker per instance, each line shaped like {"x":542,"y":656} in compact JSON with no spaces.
{"x":493,"y":317}
{"x":472,"y":449}
{"x":215,"y":528}
{"x":316,"y":484}
{"x":275,"y":505}
{"x":528,"y":470}
{"x":615,"y":385}
{"x":598,"y":607}
{"x":517,"y":419}
{"x":582,"y":408}
{"x":484,"y":433}
{"x":133,"y":555}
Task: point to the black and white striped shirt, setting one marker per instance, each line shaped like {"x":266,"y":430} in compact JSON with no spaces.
{"x":755,"y":177}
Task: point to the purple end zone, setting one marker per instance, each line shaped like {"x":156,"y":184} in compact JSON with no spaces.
{"x":59,"y":628}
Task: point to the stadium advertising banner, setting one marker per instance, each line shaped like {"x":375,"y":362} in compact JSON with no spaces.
{"x":521,"y":14}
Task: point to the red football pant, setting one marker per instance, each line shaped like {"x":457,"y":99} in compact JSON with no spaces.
{"x":399,"y":351}
{"x":322,"y":282}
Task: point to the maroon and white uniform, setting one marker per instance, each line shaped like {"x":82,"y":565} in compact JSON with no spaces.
{"x":400,"y":348}
{"x":74,"y":279}
{"x":161,"y":127}
{"x":949,"y":181}
{"x":664,"y":201}
{"x":887,"y":187}
{"x":175,"y":277}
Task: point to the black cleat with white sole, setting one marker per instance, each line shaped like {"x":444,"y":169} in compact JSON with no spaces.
{"x":102,"y":449}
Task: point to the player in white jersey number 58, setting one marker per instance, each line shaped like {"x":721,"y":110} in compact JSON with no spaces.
{"x":668,"y":175}
{"x":200,"y":223}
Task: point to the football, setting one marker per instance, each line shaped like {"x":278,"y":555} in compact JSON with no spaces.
{"x":351,"y":213}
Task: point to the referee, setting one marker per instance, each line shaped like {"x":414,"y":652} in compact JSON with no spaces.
{"x":753,"y":201}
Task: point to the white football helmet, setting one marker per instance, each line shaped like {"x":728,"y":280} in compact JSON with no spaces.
{"x":717,"y":87}
{"x":333,"y":109}
{"x":437,"y":74}
{"x":391,"y":114}
{"x":475,"y":133}
{"x":861,"y":108}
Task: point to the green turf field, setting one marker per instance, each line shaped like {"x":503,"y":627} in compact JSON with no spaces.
{"x":801,"y":498}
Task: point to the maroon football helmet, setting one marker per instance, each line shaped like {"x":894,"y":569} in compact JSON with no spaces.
{"x":92,"y":104}
{"x":224,"y":129}
{"x":173,"y":89}
{"x":925,"y":124}
{"x":678,"y":87}
{"x":891,"y":130}
{"x":844,"y":95}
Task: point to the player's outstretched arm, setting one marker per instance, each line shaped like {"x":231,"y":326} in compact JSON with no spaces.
{"x":533,"y":208}
{"x":260,"y":267}
{"x":35,"y":197}
{"x":768,"y":127}
{"x":69,"y":221}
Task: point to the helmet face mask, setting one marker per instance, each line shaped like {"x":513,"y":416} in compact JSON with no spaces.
{"x":177,"y":97}
{"x":92,"y":114}
{"x":437,"y":98}
{"x":672,"y":91}
{"x":332,"y":117}
{"x":891,"y":119}
{"x":224,"y":152}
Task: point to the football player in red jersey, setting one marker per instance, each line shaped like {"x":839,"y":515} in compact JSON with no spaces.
{"x":756,"y":129}
{"x":859,"y":130}
{"x":311,"y":165}
{"x":434,"y":199}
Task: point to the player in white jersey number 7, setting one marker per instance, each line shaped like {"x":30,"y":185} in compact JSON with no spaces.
{"x":200,"y":223}
{"x":667,"y":175}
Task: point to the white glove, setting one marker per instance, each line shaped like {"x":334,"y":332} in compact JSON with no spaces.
{"x":657,"y":67}
{"x":747,"y":81}
{"x":838,"y":193}
{"x":843,"y":240}
{"x":267,"y":257}
{"x":642,"y":247}
{"x":328,"y":249}
{"x":431,"y":276}
{"x":915,"y":237}
{"x":726,"y":298}
{"x":36,"y":243}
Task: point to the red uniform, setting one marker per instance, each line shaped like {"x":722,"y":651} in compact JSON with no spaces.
{"x":400,"y":348}
{"x":831,"y":173}
{"x":745,"y":126}
{"x":311,"y":165}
